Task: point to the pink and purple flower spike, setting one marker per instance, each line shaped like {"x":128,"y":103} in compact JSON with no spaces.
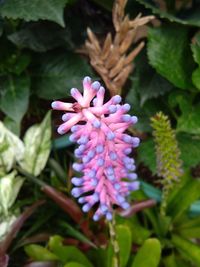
{"x":99,"y":130}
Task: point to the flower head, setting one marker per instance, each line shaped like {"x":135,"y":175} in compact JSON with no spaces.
{"x":99,"y":130}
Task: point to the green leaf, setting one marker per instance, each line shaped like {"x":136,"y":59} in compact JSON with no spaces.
{"x":196,"y":54}
{"x":190,"y":18}
{"x":74,"y":264}
{"x":37,"y":142}
{"x":169,"y":53}
{"x":5,"y":225}
{"x":170,"y":261}
{"x":12,"y":125}
{"x":67,"y":253}
{"x":196,"y":48}
{"x":78,"y":235}
{"x":124,"y":239}
{"x":10,"y":186}
{"x":138,"y":232}
{"x":183,"y":199}
{"x":14,"y":100}
{"x":188,"y":249}
{"x":146,"y":154}
{"x":188,"y":227}
{"x":39,"y":253}
{"x":32,"y":11}
{"x":196,"y":78}
{"x":189,"y":120}
{"x":153,"y":85}
{"x":61,"y":142}
{"x":190,"y":157}
{"x":11,"y":149}
{"x":57,"y":74}
{"x":149,"y":254}
{"x":38,"y":37}
{"x":193,"y":232}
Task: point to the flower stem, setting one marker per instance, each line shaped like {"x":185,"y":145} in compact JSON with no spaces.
{"x":114,"y":242}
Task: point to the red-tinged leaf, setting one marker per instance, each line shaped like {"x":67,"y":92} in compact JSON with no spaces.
{"x":4,"y":245}
{"x":4,"y":259}
{"x":69,"y":206}
{"x":138,"y":207}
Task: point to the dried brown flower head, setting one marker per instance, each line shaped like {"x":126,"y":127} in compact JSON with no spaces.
{"x":112,"y":60}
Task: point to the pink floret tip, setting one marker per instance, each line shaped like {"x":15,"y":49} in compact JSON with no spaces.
{"x":108,"y":173}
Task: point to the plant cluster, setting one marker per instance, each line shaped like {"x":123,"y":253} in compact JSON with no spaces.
{"x":144,"y":59}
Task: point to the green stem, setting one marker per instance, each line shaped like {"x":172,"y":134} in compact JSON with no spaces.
{"x":163,"y":206}
{"x":114,"y":242}
{"x":30,"y":176}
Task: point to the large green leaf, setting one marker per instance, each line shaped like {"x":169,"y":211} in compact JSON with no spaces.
{"x":34,"y":10}
{"x":188,"y":249}
{"x":37,"y":142}
{"x":124,"y":239}
{"x":56,"y":74}
{"x":38,"y":37}
{"x":138,"y":232}
{"x":170,"y":261}
{"x":149,"y":254}
{"x":174,"y":261}
{"x":190,"y":157}
{"x":11,"y":149}
{"x":188,"y":18}
{"x":189,"y":119}
{"x":169,"y":53}
{"x":15,"y":97}
{"x":67,"y":253}
{"x":153,"y":85}
{"x":188,"y":227}
{"x":196,"y":78}
{"x":39,"y":253}
{"x":10,"y":186}
{"x":183,"y":199}
{"x":147,"y":154}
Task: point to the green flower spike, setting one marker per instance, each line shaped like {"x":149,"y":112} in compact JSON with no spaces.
{"x":169,"y":165}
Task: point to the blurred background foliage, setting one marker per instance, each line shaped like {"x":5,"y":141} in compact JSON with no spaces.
{"x":41,"y":59}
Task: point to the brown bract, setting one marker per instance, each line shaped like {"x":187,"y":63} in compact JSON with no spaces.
{"x":112,"y":60}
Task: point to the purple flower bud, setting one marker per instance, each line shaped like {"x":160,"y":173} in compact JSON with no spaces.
{"x":126,"y":118}
{"x":113,"y":156}
{"x":134,"y":186}
{"x":109,"y":216}
{"x":96,"y":124}
{"x":76,"y":192}
{"x":116,"y":99}
{"x":83,"y":140}
{"x":96,"y":85}
{"x":99,"y":148}
{"x":77,"y":181}
{"x":86,"y":207}
{"x":77,"y":167}
{"x":135,"y":141}
{"x":100,"y":162}
{"x":112,"y":109}
{"x":110,"y":136}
